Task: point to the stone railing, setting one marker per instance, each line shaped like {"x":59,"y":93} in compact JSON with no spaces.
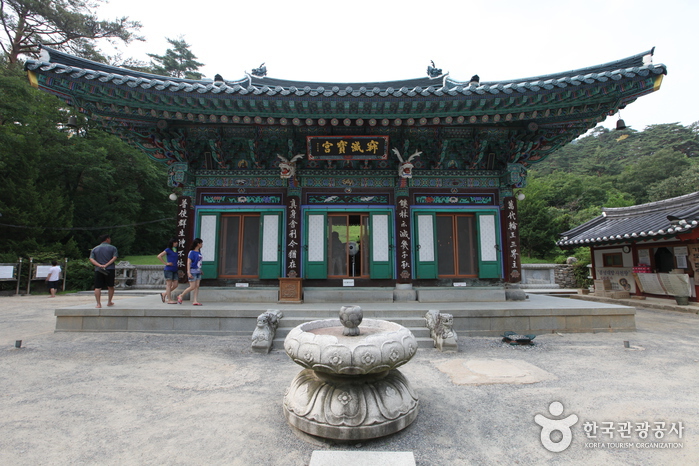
{"x":130,"y":276}
{"x":125,"y":275}
{"x":548,"y":276}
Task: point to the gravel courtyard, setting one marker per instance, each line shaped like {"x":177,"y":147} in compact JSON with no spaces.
{"x":138,"y":398}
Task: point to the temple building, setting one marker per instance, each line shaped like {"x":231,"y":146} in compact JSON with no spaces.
{"x":355,"y":184}
{"x":648,"y":249}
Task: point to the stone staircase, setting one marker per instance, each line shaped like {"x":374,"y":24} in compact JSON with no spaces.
{"x":334,"y":298}
{"x":234,"y":311}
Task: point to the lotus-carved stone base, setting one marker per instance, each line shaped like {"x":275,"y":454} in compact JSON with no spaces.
{"x":350,"y":407}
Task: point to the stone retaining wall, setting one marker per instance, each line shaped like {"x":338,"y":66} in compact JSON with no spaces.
{"x":565,"y":276}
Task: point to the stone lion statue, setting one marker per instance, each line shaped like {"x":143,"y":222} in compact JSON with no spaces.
{"x":263,"y":335}
{"x":442,"y":330}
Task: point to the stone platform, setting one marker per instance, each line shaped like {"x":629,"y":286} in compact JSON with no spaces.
{"x":316,"y":295}
{"x":538,"y":314}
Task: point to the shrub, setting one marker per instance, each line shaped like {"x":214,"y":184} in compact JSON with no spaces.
{"x":582,"y":273}
{"x":80,"y":275}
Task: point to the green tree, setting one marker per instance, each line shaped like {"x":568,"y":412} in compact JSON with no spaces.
{"x":637,"y":179}
{"x":30,"y":129}
{"x":671,"y":136}
{"x":684,"y":183}
{"x":113,"y":184}
{"x":537,"y":226}
{"x":600,"y":153}
{"x":178,"y":61}
{"x":59,"y":187}
{"x":69,"y":25}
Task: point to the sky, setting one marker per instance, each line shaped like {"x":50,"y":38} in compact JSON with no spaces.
{"x":384,"y":40}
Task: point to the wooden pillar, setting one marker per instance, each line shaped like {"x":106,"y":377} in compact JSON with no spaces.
{"x":292,"y":261}
{"x":404,"y":241}
{"x":185,"y":228}
{"x":511,"y":248}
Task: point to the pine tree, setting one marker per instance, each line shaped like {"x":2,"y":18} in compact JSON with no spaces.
{"x":68,"y":25}
{"x":178,"y":61}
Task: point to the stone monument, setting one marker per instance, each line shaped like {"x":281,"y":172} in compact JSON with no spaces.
{"x":350,"y":388}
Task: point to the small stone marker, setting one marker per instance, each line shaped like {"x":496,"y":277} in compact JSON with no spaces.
{"x":362,"y":458}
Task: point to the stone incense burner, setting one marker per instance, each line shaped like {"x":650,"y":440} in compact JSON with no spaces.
{"x":350,"y":388}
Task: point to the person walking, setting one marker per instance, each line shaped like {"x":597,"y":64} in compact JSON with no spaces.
{"x":53,"y":278}
{"x":103,"y":257}
{"x":170,"y":270}
{"x":194,"y":272}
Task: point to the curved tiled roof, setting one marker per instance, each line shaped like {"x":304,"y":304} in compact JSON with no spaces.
{"x":519,"y":120}
{"x":62,"y":63}
{"x":655,"y":220}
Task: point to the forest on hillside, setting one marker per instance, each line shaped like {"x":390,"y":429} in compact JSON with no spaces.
{"x":605,"y":168}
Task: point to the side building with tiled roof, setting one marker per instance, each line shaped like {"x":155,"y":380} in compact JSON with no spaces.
{"x":647,"y":249}
{"x":370,"y":184}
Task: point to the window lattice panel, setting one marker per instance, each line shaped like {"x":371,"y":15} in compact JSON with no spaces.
{"x":487,"y":235}
{"x":316,"y":238}
{"x":380,"y":238}
{"x":270,"y":235}
{"x":208,"y":235}
{"x":425,"y":232}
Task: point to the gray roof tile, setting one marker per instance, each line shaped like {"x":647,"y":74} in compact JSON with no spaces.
{"x":640,"y":221}
{"x":81,"y":68}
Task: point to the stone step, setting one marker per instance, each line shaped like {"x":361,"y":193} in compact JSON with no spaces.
{"x":410,"y":322}
{"x":538,"y":314}
{"x":239,"y":295}
{"x":315,"y":314}
{"x":349,"y":295}
{"x":352,"y":295}
{"x":283,"y":331}
{"x":459,"y":294}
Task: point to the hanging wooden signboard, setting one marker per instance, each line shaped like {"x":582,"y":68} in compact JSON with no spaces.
{"x":347,"y":147}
